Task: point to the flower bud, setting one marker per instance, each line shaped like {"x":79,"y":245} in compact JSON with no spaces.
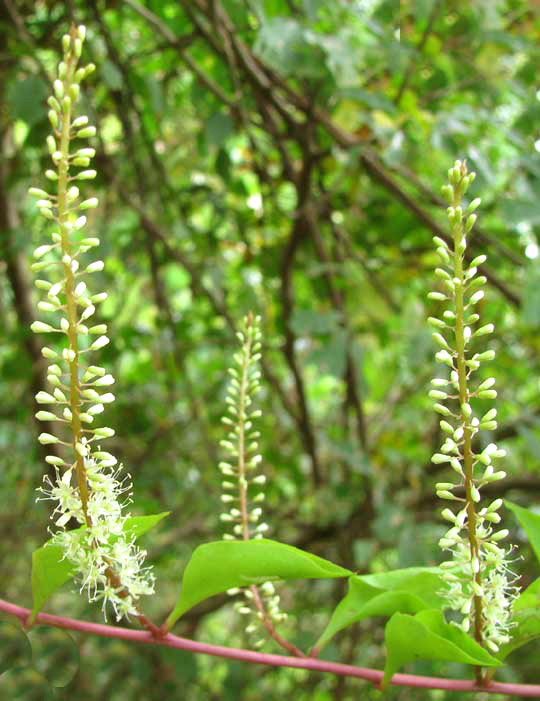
{"x":86,"y":132}
{"x":58,"y":88}
{"x":91,"y":203}
{"x":46,"y":416}
{"x":487,"y":394}
{"x":438,"y":296}
{"x":479,"y":260}
{"x":99,"y":343}
{"x":104,"y":432}
{"x":483,"y":330}
{"x":437,"y":394}
{"x":487,"y":355}
{"x":47,"y":438}
{"x":42,"y":250}
{"x":40,"y":327}
{"x":471,"y":220}
{"x":95,"y":267}
{"x":476,"y":297}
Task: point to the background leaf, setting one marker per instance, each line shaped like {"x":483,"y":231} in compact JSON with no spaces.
{"x":530,"y":522}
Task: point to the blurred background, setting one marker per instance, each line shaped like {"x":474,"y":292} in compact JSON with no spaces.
{"x":284,"y":157}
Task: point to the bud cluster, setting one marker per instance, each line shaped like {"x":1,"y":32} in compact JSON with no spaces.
{"x":78,"y":394}
{"x":242,"y":485}
{"x":479,"y":581}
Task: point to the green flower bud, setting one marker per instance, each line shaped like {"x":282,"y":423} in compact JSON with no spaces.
{"x":438,"y":296}
{"x":53,"y":118}
{"x":40,"y":327}
{"x":486,"y":355}
{"x":487,"y":394}
{"x":471,"y":220}
{"x":47,"y":438}
{"x":479,"y":260}
{"x":91,"y":203}
{"x":104,"y":432}
{"x":436,"y":394}
{"x":86,"y":132}
{"x":448,"y":193}
{"x":58,"y":87}
{"x":483,"y":330}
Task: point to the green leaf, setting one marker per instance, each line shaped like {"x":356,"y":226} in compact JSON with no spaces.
{"x":49,"y":573}
{"x":216,"y":567}
{"x":376,"y":101}
{"x":288,"y":48}
{"x":25,"y":98}
{"x":50,"y":570}
{"x":406,"y":591}
{"x":426,"y":579}
{"x":515,"y":211}
{"x":428,"y":636}
{"x":137,"y":526}
{"x":218,"y":128}
{"x":111,"y":75}
{"x":530,"y":522}
{"x":314,"y":322}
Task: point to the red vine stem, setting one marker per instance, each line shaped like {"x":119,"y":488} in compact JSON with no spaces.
{"x":173,"y":641}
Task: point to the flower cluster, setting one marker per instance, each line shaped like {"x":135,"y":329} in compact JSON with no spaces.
{"x":89,"y":486}
{"x":479,"y":581}
{"x":240,"y":469}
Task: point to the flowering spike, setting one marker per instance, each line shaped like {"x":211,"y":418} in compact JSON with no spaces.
{"x":109,"y":564}
{"x":480,"y":587}
{"x":242,"y":520}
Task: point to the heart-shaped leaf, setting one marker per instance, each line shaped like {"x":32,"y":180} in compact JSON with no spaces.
{"x":216,"y":567}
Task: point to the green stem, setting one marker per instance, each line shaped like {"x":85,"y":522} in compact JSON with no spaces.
{"x":468,"y":456}
{"x":73,"y":342}
{"x":242,"y":482}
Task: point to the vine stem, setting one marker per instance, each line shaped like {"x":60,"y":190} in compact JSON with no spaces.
{"x":173,"y":641}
